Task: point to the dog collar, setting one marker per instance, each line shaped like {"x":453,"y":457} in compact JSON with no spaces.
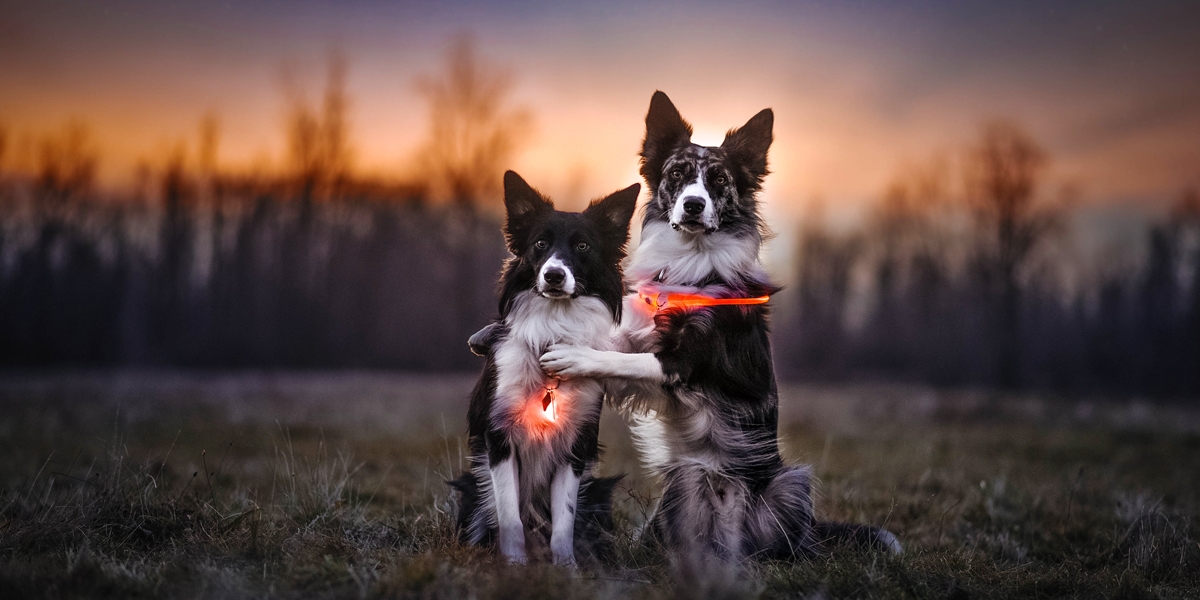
{"x":661,"y":299}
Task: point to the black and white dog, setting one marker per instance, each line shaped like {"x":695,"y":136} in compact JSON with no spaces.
{"x":533,"y":440}
{"x":701,"y":392}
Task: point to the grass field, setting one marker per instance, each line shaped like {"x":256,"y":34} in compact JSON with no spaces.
{"x":184,"y":485}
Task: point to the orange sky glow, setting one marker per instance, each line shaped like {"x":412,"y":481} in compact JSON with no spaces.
{"x":859,"y":89}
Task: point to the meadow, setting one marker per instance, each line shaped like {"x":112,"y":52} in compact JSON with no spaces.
{"x":200,"y":485}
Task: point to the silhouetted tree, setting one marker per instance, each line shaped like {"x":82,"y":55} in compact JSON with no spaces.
{"x":909,"y":263}
{"x":825,"y":264}
{"x":66,"y":167}
{"x":1002,"y":174}
{"x":3,"y":148}
{"x":473,"y":134}
{"x":319,"y":151}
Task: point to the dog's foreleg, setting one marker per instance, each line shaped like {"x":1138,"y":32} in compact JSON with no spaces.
{"x":508,"y":509}
{"x":564,"y":496}
{"x":580,"y":361}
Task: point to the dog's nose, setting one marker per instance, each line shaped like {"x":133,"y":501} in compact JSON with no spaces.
{"x":555,"y":276}
{"x":693,"y":205}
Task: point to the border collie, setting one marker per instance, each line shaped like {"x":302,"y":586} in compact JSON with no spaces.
{"x":702,"y":398}
{"x":533,"y":439}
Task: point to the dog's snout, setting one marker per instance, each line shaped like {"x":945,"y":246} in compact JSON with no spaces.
{"x":693,"y":206}
{"x":555,"y":276}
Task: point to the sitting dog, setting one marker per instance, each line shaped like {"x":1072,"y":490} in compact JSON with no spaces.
{"x":533,"y":440}
{"x":701,"y":393}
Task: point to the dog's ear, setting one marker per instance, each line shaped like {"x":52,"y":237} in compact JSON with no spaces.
{"x":524,"y":206}
{"x":747,"y":148}
{"x":612,"y":213}
{"x":665,"y":131}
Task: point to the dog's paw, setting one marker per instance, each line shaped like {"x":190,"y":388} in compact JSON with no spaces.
{"x":482,"y":341}
{"x":565,"y":360}
{"x":565,"y":559}
{"x":514,"y":553}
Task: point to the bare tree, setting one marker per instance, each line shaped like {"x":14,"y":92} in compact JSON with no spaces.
{"x":67,"y":163}
{"x":473,"y":134}
{"x":210,"y":137}
{"x":3,"y":146}
{"x":906,"y":241}
{"x":319,"y":152}
{"x":1002,"y":174}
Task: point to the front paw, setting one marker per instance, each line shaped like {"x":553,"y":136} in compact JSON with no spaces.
{"x":514,"y":555}
{"x":564,"y":360}
{"x":512,"y":546}
{"x":565,"y":560}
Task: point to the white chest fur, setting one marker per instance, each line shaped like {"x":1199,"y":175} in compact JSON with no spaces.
{"x":690,"y":259}
{"x":534,"y":324}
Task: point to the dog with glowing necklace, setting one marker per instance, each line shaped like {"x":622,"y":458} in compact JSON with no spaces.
{"x":533,"y":439}
{"x":696,"y":358}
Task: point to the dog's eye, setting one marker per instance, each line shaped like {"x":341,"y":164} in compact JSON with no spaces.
{"x":541,"y":244}
{"x":720,"y":180}
{"x":676,"y":174}
{"x":582,"y":246}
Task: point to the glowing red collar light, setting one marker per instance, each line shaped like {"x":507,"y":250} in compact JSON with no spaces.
{"x":660,"y":300}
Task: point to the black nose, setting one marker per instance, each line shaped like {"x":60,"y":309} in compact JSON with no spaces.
{"x":693,"y":205}
{"x":555,"y":277}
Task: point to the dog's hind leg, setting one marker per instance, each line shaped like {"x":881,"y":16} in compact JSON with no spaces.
{"x":506,"y":495}
{"x":594,"y":518}
{"x":702,"y":511}
{"x":564,"y":497}
{"x":780,"y":522}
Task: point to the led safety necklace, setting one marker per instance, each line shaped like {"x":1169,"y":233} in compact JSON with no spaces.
{"x":660,"y":300}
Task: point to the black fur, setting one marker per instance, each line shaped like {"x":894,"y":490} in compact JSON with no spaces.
{"x":717,"y":361}
{"x":733,"y":172}
{"x":590,"y":245}
{"x":604,"y":226}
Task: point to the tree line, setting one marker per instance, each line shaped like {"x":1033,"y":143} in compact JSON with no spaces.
{"x":974,"y":278}
{"x":957,"y":276}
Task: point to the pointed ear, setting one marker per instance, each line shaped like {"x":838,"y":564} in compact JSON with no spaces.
{"x":665,"y":131}
{"x":747,"y":146}
{"x":523,"y":205}
{"x":615,"y":211}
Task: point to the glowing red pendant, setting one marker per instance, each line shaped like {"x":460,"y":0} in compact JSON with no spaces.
{"x":660,"y":300}
{"x":549,"y":405}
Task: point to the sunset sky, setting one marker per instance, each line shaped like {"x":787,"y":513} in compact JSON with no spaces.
{"x":1111,"y":89}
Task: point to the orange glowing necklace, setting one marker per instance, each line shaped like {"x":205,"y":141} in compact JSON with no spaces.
{"x":664,"y":298}
{"x":660,"y":300}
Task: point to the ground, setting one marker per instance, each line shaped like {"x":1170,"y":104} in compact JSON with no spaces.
{"x":287,"y":485}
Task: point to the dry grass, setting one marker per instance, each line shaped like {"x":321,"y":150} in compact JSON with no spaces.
{"x":159,"y":485}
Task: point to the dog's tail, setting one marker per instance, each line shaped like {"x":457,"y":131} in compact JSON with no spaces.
{"x":828,"y":534}
{"x":473,"y":527}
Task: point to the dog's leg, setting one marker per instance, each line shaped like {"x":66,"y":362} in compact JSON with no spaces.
{"x":564,"y":497}
{"x":580,"y":361}
{"x":780,"y":522}
{"x":505,"y":491}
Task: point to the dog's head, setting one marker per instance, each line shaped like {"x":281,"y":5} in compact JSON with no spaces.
{"x":563,"y":255}
{"x":699,"y":189}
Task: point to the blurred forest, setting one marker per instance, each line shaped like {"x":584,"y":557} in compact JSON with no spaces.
{"x":956,"y":277}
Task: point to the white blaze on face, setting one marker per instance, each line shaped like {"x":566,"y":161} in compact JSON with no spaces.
{"x":568,"y":285}
{"x":696,"y":189}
